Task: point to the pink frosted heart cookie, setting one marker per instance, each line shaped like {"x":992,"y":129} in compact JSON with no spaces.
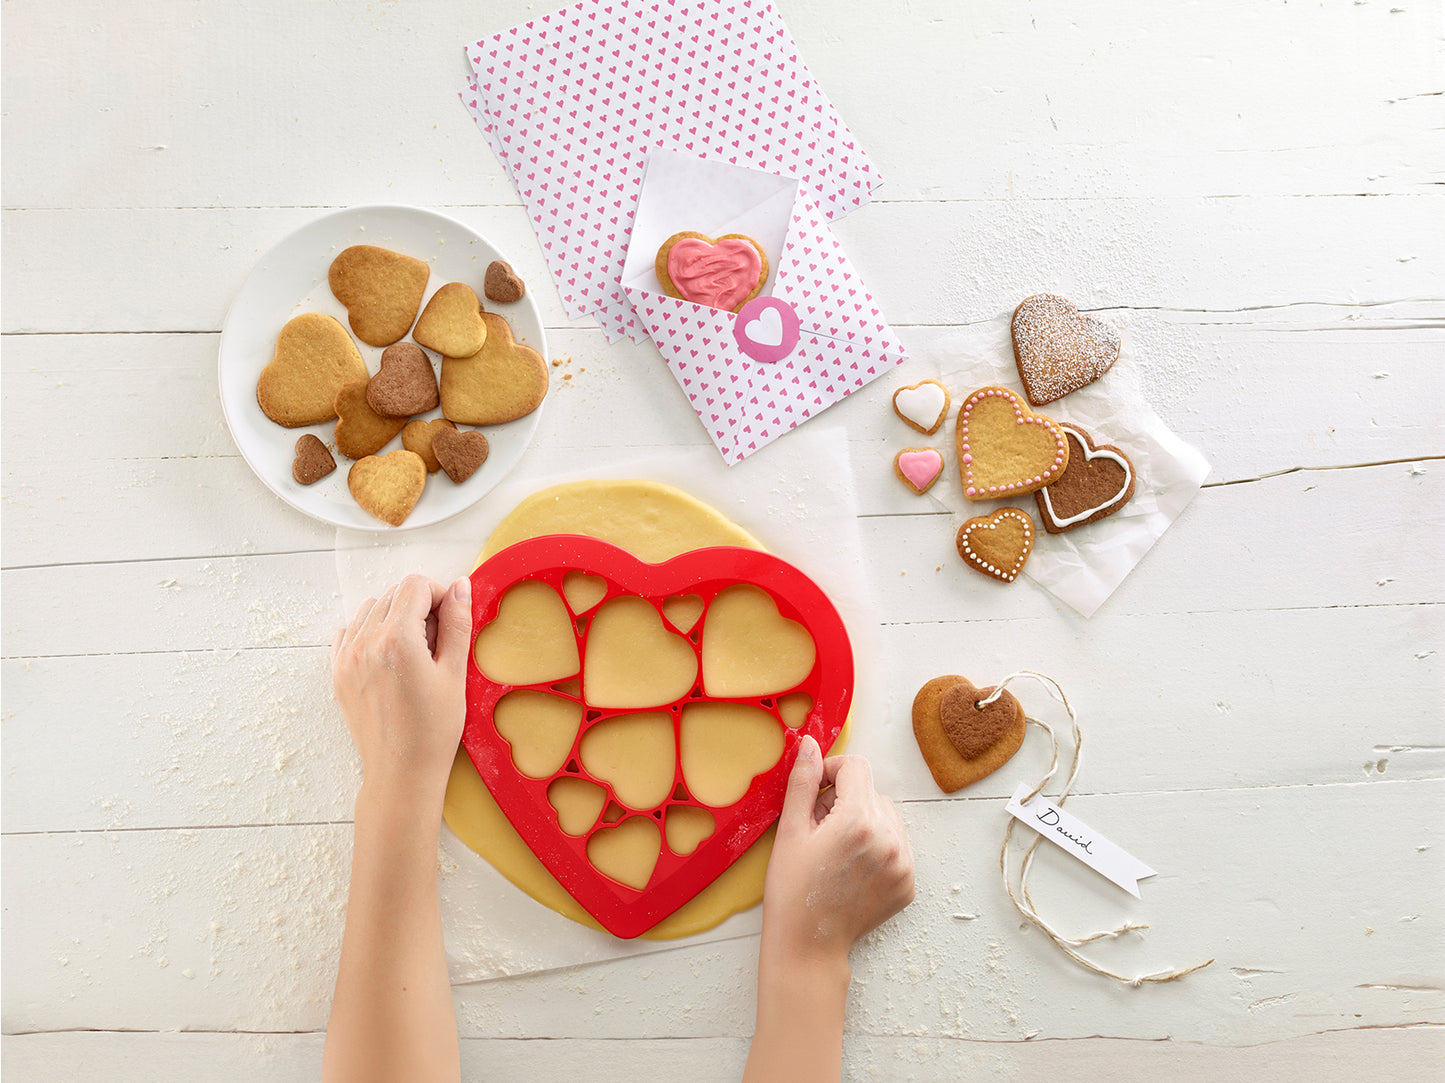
{"x":724,"y":273}
{"x":1004,"y":448}
{"x":923,"y":406}
{"x":918,"y":468}
{"x":1059,"y":350}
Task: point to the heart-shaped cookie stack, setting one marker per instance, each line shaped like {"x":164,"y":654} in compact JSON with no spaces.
{"x":961,"y":738}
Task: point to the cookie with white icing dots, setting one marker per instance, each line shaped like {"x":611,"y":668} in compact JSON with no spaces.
{"x":1004,"y":448}
{"x":1058,"y":349}
{"x":1097,"y":481}
{"x":922,"y":406}
{"x":997,"y":545}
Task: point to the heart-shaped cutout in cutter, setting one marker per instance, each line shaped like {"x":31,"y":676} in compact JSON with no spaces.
{"x":1004,"y":448}
{"x":543,"y":564}
{"x":1058,"y":349}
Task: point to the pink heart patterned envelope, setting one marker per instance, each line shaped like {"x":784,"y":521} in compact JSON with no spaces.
{"x":573,"y":101}
{"x":814,"y":335}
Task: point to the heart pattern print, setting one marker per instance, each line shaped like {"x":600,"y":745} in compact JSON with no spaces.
{"x":572,"y":102}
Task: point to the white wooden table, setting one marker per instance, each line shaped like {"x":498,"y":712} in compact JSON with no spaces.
{"x":1252,"y":191}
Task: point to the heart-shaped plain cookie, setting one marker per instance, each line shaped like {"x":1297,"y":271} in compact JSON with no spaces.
{"x":501,"y":382}
{"x":313,"y":460}
{"x":388,"y":486}
{"x":314,"y":357}
{"x":1004,"y":448}
{"x":360,"y":430}
{"x":1097,"y":482}
{"x":922,"y":406}
{"x":711,"y":768}
{"x":502,"y":284}
{"x":381,"y":290}
{"x":962,"y":742}
{"x":419,"y":436}
{"x":451,"y":324}
{"x":461,"y":454}
{"x":997,"y":544}
{"x":406,"y":383}
{"x":724,"y":273}
{"x":1058,"y":349}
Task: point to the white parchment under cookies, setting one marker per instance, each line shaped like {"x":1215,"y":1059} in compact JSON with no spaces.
{"x":799,"y":503}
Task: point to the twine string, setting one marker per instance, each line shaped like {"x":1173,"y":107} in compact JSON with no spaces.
{"x":1022,"y":896}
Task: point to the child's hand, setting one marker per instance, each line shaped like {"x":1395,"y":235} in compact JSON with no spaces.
{"x":405,"y":699}
{"x":841,"y":864}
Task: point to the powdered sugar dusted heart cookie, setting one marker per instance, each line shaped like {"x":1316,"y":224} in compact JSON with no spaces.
{"x":962,"y":741}
{"x":1097,"y":482}
{"x":997,"y":545}
{"x":1059,"y":350}
{"x":724,"y":273}
{"x":918,"y":468}
{"x":1004,"y":448}
{"x":923,"y":405}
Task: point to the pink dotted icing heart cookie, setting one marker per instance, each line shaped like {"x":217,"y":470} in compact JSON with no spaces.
{"x":1004,"y":448}
{"x":724,"y":273}
{"x":1059,"y":350}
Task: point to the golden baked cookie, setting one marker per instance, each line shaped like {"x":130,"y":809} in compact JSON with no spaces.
{"x":388,"y":486}
{"x":962,"y":742}
{"x":1004,"y":448}
{"x":360,"y":430}
{"x":381,"y":289}
{"x":420,"y":435}
{"x":501,"y":382}
{"x":997,"y":545}
{"x":314,"y":357}
{"x":451,"y":324}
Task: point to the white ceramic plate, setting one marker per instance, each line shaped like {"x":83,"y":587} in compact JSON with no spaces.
{"x":291,"y":279}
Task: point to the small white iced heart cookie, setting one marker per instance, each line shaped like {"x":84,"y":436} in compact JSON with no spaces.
{"x":923,"y":406}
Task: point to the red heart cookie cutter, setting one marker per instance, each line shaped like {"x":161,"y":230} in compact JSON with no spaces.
{"x":623,"y":910}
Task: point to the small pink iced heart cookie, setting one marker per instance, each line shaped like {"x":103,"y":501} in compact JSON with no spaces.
{"x":918,"y":468}
{"x":724,"y":273}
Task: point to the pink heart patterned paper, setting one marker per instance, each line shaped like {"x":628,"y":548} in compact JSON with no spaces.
{"x":571,"y":103}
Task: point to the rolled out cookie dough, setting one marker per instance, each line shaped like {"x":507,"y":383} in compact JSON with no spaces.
{"x":654,"y":522}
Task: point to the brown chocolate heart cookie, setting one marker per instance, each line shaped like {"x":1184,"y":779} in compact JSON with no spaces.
{"x":461,"y":454}
{"x":1097,"y":482}
{"x":502,"y":284}
{"x":313,"y":460}
{"x":962,"y":742}
{"x":406,"y":383}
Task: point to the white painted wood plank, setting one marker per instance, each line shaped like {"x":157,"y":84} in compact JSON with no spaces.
{"x":1200,"y":103}
{"x":209,"y":739}
{"x":1384,"y":1054}
{"x":228,"y":603}
{"x":178,"y":269}
{"x":197,"y":739}
{"x":238,"y":929}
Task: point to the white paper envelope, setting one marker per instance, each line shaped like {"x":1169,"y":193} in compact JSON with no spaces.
{"x":812,"y":336}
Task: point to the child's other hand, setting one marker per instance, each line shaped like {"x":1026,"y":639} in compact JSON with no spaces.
{"x":841,"y":863}
{"x":403,"y":697}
